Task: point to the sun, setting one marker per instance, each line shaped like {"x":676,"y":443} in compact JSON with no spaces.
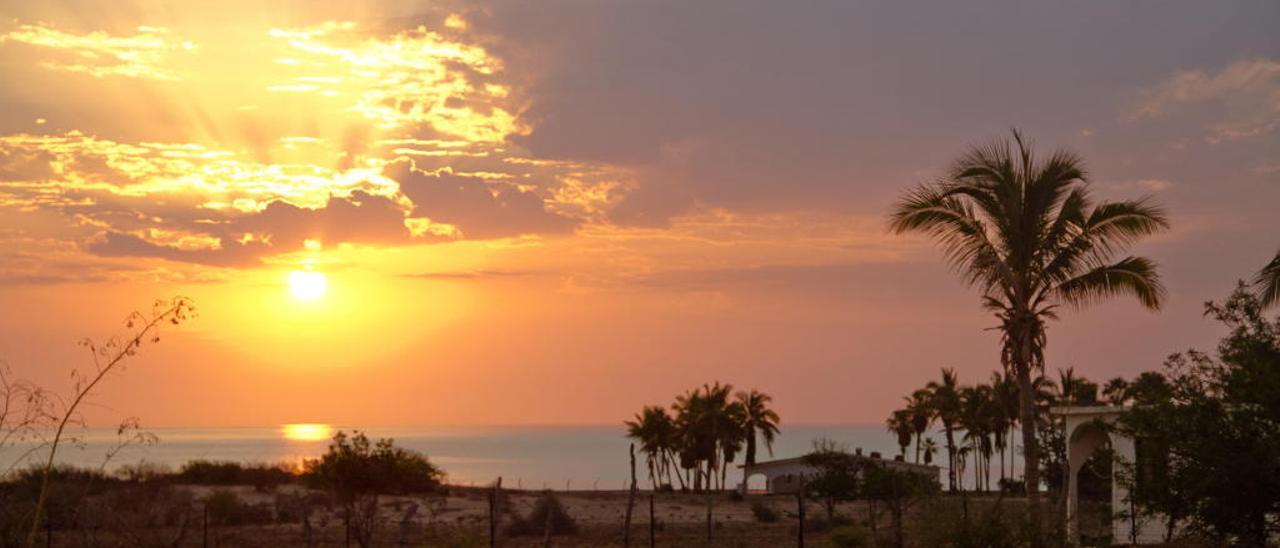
{"x":308,"y":285}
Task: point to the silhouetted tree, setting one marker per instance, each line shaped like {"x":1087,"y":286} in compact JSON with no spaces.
{"x":1027,"y":233}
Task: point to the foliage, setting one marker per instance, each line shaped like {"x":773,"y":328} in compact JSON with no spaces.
{"x":1027,"y":232}
{"x":702,"y":435}
{"x":535,"y":523}
{"x":899,"y":490}
{"x":850,"y":536}
{"x":357,"y":471}
{"x":225,"y":507}
{"x":354,"y":466}
{"x":205,"y":472}
{"x":763,"y":512}
{"x":1267,"y":283}
{"x":836,"y":476}
{"x":1213,"y":444}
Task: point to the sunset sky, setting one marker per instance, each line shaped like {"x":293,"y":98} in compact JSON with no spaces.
{"x":557,"y":212}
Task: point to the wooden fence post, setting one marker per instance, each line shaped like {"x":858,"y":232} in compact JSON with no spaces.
{"x":652,"y":523}
{"x":493,"y":513}
{"x":631,"y":500}
{"x":800,"y":502}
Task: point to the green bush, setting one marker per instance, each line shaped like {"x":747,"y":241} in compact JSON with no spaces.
{"x":763,"y":512}
{"x":850,"y":536}
{"x":535,"y":522}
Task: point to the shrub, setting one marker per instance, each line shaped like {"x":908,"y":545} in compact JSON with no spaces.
{"x":355,"y":467}
{"x":763,"y":512}
{"x":225,"y":507}
{"x":261,"y":476}
{"x":535,"y":522}
{"x":850,"y":536}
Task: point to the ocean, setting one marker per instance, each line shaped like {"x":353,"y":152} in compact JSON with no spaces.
{"x":529,"y":457}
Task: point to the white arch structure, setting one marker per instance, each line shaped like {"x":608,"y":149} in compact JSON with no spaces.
{"x":1085,"y":433}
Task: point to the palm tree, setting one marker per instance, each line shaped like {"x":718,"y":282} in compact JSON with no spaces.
{"x":1116,"y":391}
{"x":921,"y":415}
{"x":710,"y":429}
{"x":759,"y":419}
{"x":930,"y":447}
{"x":1267,"y":282}
{"x":1004,"y":392}
{"x":1027,"y":233}
{"x":944,"y":400}
{"x":899,"y":422}
{"x":652,"y":428}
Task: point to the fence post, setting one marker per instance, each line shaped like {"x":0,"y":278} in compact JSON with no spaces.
{"x":652,"y":524}
{"x":710,"y":500}
{"x":204,"y":524}
{"x":493,"y":513}
{"x":800,"y":502}
{"x":631,"y":500}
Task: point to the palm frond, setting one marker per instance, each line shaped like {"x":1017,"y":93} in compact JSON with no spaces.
{"x":1267,"y":282}
{"x":1135,"y":276}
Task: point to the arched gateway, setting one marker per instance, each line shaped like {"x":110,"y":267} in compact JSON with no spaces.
{"x":1086,"y":431}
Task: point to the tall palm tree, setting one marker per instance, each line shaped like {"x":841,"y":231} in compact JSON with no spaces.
{"x":710,"y":426}
{"x":1026,"y":231}
{"x":1004,"y":392}
{"x":921,"y":415}
{"x":1267,"y":282}
{"x":944,"y":400}
{"x":899,"y":422}
{"x":760,"y":420}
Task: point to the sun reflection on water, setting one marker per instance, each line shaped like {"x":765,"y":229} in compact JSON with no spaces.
{"x":306,"y":432}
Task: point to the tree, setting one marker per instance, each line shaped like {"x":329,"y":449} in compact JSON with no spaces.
{"x":930,"y":449}
{"x":899,"y":422}
{"x":1028,"y":234}
{"x":358,"y":471}
{"x":921,"y":416}
{"x":836,"y":476}
{"x":760,"y":420}
{"x":944,"y":400}
{"x":1216,"y":434}
{"x":107,"y":358}
{"x":654,"y":429}
{"x":899,"y":490}
{"x":1267,"y":283}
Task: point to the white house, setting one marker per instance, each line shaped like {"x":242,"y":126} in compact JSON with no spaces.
{"x":789,"y":475}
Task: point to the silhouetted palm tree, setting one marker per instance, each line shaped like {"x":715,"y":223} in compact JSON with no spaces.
{"x":944,"y":400}
{"x":1115,"y":392}
{"x":899,"y":422}
{"x":654,"y":429}
{"x":930,"y":448}
{"x":1267,"y":282}
{"x":921,"y":415}
{"x":760,"y":420}
{"x":1004,"y":392}
{"x":1027,"y":232}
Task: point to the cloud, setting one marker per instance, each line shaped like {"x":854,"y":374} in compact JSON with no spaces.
{"x":479,"y":208}
{"x":1243,"y":97}
{"x":144,"y":54}
{"x":412,"y":77}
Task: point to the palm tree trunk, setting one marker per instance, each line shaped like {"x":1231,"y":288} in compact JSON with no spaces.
{"x":1030,"y":448}
{"x":951,"y":458}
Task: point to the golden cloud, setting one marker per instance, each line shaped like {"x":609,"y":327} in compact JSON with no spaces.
{"x":99,"y":54}
{"x":410,"y":78}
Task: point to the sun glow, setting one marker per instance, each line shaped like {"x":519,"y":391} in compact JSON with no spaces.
{"x":308,"y":285}
{"x":306,"y":432}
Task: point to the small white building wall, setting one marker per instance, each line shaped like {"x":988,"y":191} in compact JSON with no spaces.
{"x":1083,"y":437}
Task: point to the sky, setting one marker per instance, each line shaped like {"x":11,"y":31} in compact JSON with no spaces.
{"x":557,"y":212}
